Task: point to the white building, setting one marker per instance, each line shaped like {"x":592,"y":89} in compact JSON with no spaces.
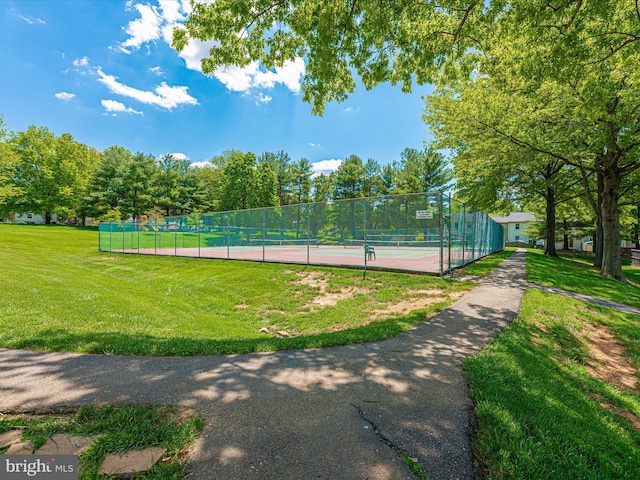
{"x":514,"y":225}
{"x":32,"y":218}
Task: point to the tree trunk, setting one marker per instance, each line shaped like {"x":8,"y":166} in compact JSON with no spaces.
{"x":611,"y":257}
{"x":550,"y":228}
{"x":598,"y":248}
{"x":47,"y":218}
{"x":636,"y":235}
{"x":565,"y":235}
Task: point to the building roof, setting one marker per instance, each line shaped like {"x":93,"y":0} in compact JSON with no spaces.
{"x":515,"y":217}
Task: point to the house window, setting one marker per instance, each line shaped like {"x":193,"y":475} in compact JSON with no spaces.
{"x":517,"y":238}
{"x":29,"y":215}
{"x":517,"y":226}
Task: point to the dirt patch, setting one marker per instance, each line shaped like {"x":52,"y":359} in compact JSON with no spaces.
{"x":533,"y":342}
{"x":630,"y":417}
{"x":313,"y":279}
{"x":325,"y":297}
{"x":418,"y":300}
{"x":412,"y":299}
{"x":608,"y":359}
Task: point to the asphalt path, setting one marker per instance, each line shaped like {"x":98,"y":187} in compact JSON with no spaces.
{"x":335,"y":413}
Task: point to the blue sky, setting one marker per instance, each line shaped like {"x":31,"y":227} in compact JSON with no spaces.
{"x":103,"y":70}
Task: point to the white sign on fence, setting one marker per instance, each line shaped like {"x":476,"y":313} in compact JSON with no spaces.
{"x":424,"y":214}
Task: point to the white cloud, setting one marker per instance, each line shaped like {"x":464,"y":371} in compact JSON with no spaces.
{"x":163,"y":96}
{"x":325,"y":166}
{"x":179,"y":156}
{"x":156,"y":22}
{"x":263,"y":99}
{"x":157,"y":70}
{"x":291,"y":73}
{"x":206,"y":164}
{"x":66,"y":96}
{"x":252,"y":76}
{"x":142,"y":30}
{"x":194,"y":52}
{"x":81,"y":62}
{"x":315,"y":145}
{"x":171,"y":11}
{"x":235,"y":78}
{"x":29,"y":20}
{"x":117,"y":107}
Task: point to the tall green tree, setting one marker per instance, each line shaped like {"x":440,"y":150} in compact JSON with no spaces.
{"x":423,"y":171}
{"x":247,"y":184}
{"x":266,"y":182}
{"x":239,"y":181}
{"x":177,"y":191}
{"x":210,"y":181}
{"x":139,"y":182}
{"x":494,"y":174}
{"x":9,"y":161}
{"x":281,"y":165}
{"x":301,"y":181}
{"x":349,"y":178}
{"x":82,"y":161}
{"x":52,"y":173}
{"x":371,"y":180}
{"x":107,"y":188}
{"x":389,"y":179}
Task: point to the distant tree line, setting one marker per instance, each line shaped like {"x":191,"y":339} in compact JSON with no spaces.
{"x":46,"y":174}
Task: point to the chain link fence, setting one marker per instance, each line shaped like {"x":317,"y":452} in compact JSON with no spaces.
{"x":423,"y":232}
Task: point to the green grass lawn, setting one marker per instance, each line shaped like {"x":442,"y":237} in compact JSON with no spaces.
{"x":59,"y":293}
{"x":541,"y":413}
{"x":575,"y":273}
{"x":118,"y":429}
{"x":483,"y":267}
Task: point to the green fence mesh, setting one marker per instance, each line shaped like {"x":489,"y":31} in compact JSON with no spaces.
{"x":424,"y":232}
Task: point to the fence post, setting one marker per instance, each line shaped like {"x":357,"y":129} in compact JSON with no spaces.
{"x":364,"y":234}
{"x":473,"y":237}
{"x":308,"y":231}
{"x":449,"y":231}
{"x":441,"y":234}
{"x":263,"y":234}
{"x":228,"y":235}
{"x":464,"y":233}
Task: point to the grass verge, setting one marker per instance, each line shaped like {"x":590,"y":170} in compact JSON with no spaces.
{"x":575,"y":273}
{"x":118,"y":429}
{"x":542,"y":411}
{"x":485,"y":266}
{"x":64,"y":295}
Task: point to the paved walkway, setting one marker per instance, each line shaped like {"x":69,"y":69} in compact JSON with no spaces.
{"x":586,"y":298}
{"x":334,"y":413}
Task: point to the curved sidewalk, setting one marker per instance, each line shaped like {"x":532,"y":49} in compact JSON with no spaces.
{"x":334,"y":413}
{"x":586,"y":298}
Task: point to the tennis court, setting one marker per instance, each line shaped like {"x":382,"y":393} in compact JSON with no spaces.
{"x":420,"y":232}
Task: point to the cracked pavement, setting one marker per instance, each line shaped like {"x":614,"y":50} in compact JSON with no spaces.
{"x":333,"y":413}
